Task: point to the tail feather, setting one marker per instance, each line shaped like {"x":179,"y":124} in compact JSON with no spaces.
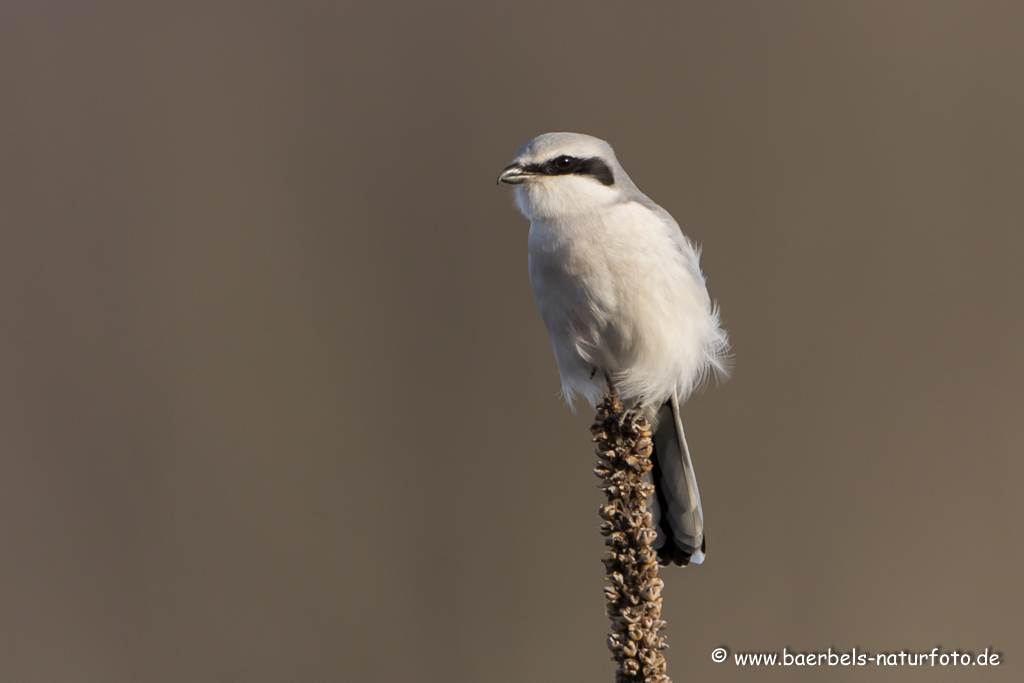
{"x":675,"y":506}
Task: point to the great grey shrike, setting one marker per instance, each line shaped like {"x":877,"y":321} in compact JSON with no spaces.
{"x":622,"y":296}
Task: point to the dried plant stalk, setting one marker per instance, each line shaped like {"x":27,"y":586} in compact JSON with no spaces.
{"x":634,"y":592}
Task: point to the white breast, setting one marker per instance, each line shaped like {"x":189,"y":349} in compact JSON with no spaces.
{"x":620,"y":292}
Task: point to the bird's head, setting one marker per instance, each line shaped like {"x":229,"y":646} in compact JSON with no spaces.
{"x":559,"y":174}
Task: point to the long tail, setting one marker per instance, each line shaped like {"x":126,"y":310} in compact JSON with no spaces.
{"x":675,"y":505}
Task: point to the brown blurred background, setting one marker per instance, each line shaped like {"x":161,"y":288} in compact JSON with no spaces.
{"x":276,"y":404}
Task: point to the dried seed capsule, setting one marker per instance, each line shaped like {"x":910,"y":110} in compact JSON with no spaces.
{"x":624,"y":446}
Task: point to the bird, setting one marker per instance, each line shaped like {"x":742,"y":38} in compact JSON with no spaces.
{"x":625,"y":304}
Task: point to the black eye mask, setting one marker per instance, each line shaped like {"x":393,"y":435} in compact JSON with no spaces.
{"x":595,"y":167}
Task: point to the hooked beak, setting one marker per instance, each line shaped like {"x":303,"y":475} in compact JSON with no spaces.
{"x":515,"y":174}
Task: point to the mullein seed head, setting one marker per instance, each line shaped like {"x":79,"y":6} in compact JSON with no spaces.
{"x":624,"y":449}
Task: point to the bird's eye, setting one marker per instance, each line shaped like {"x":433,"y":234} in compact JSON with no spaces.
{"x":564,"y":162}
